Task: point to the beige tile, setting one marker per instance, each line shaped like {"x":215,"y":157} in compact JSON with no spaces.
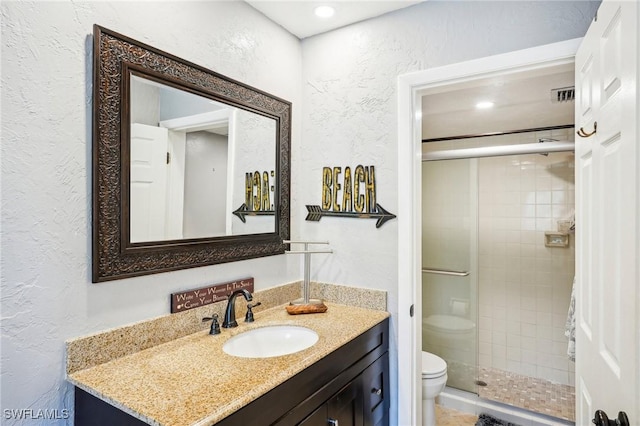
{"x":450,"y":417}
{"x":539,"y":395}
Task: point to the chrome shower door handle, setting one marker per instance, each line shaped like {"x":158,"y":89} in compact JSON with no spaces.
{"x":445,"y":272}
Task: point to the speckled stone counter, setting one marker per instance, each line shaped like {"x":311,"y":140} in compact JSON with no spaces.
{"x":191,"y":381}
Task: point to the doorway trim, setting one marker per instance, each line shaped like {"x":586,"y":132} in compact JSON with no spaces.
{"x":411,"y":87}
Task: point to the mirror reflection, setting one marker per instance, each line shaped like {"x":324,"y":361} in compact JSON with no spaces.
{"x":198,"y":167}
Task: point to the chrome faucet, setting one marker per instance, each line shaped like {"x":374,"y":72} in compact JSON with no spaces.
{"x":230,"y":312}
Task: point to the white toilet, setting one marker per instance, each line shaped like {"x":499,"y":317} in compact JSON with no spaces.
{"x":452,"y":337}
{"x":434,"y":379}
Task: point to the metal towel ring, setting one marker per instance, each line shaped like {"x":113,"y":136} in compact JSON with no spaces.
{"x":584,"y":134}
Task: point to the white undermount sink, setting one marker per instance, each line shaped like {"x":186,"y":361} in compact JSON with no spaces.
{"x":270,"y":341}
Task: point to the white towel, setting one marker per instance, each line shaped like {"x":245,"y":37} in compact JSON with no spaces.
{"x":570,"y":326}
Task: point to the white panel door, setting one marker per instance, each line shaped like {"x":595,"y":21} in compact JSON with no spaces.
{"x":177,"y":145}
{"x":148,"y":183}
{"x":607,"y":225}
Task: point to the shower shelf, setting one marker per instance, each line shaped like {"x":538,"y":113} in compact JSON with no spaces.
{"x":556,"y":239}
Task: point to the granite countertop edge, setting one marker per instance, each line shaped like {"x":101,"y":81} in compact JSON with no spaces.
{"x":231,"y":382}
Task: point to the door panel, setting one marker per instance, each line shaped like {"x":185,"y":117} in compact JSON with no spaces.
{"x":608,"y":284}
{"x":148,"y":182}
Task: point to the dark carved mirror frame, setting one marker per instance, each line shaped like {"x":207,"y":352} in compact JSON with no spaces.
{"x":114,"y":256}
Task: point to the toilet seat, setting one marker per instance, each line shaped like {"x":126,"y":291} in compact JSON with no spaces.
{"x":433,"y":366}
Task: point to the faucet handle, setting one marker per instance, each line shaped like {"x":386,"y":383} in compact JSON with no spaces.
{"x":215,"y":325}
{"x":249,"y":315}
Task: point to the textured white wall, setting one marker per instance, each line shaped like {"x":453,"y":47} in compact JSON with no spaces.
{"x":349,"y":97}
{"x":47,"y":294}
{"x":349,"y":119}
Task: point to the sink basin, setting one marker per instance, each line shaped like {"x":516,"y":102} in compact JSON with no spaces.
{"x":267,"y":342}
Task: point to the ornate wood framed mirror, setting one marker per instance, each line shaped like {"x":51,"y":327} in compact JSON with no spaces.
{"x":190,"y":168}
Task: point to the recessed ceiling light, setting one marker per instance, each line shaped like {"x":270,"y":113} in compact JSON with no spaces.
{"x":324,"y":11}
{"x":484,"y":105}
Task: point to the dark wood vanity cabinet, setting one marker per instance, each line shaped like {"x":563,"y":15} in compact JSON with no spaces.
{"x":360,"y":403}
{"x":350,"y":385}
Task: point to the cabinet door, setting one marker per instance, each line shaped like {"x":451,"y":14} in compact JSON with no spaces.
{"x":375,"y":388}
{"x":343,"y":409}
{"x":317,"y":418}
{"x":346,"y":407}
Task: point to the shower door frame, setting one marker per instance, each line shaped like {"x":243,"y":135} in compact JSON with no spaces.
{"x":411,"y":87}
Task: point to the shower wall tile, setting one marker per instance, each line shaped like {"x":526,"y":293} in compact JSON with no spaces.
{"x":525,"y":287}
{"x":514,"y":340}
{"x":484,"y":359}
{"x":528,"y":343}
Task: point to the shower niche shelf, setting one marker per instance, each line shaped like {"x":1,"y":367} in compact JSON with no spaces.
{"x":556,"y":239}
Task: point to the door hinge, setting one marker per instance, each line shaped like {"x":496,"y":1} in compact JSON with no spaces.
{"x":168,"y":158}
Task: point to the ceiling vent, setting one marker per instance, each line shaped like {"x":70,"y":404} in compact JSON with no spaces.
{"x":564,"y":94}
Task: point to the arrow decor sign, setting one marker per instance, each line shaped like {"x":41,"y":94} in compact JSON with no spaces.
{"x":243,"y":211}
{"x":353,"y":195}
{"x":257,"y":196}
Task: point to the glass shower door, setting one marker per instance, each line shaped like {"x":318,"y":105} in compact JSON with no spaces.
{"x":449,"y":262}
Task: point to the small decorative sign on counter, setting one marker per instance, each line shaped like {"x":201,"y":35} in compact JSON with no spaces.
{"x":206,"y":295}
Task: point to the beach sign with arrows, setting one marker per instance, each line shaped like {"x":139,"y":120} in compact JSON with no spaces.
{"x":352,"y":195}
{"x":258,"y":195}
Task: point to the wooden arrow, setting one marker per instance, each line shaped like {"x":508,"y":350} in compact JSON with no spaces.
{"x":316,"y":213}
{"x":243,"y":211}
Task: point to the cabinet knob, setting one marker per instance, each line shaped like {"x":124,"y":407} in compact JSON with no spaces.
{"x":376,"y":391}
{"x":332,"y":422}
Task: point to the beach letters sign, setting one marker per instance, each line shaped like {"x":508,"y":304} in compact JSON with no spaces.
{"x":350,"y":194}
{"x":258,"y":189}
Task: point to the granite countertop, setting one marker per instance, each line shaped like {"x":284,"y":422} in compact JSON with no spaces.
{"x":191,"y":381}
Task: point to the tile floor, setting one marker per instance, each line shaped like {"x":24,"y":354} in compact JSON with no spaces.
{"x":529,"y":393}
{"x":537,"y":395}
{"x":450,"y":417}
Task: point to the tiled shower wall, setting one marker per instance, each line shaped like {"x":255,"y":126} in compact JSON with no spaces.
{"x":525,"y":287}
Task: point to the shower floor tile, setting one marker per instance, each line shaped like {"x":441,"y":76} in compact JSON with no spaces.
{"x":541,"y":396}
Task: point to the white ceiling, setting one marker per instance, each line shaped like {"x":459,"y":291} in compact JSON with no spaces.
{"x":297,"y":17}
{"x":522,"y":101}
